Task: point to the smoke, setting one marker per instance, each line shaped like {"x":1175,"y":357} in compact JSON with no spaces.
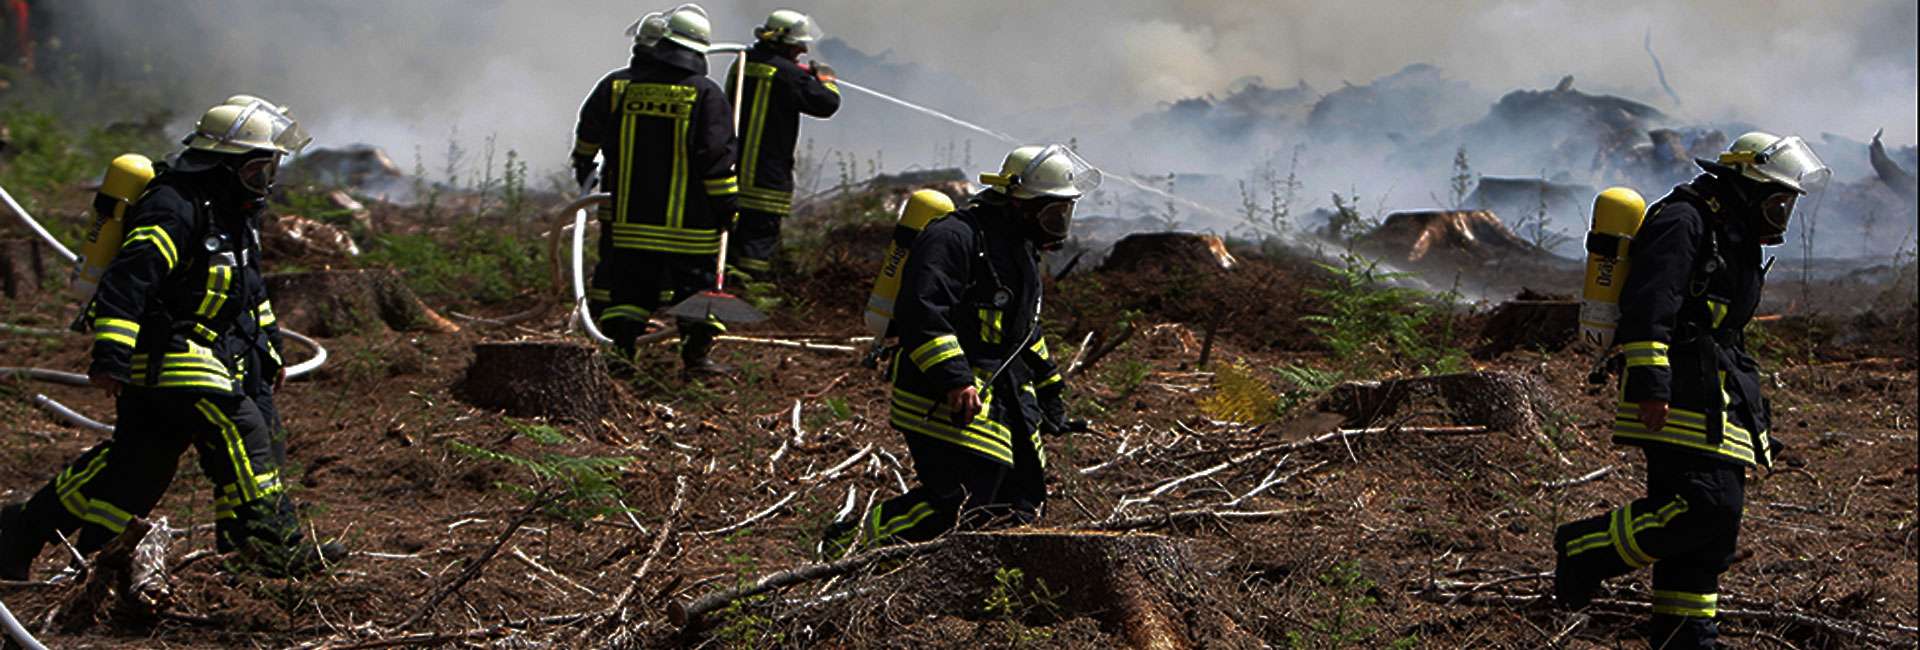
{"x":417,"y":75}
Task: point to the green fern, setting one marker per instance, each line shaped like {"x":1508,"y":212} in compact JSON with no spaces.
{"x":575,"y":488}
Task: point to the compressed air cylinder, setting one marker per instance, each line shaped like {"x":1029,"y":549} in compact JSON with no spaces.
{"x":126,"y":179}
{"x":1617,"y":213}
{"x":920,"y":209}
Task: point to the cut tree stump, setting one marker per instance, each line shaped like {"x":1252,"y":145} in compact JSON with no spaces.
{"x":24,"y":266}
{"x":127,"y":585}
{"x":1501,"y":401}
{"x":1532,"y":321}
{"x":1143,"y":589}
{"x":1171,"y":252}
{"x":553,"y":379}
{"x":336,"y":303}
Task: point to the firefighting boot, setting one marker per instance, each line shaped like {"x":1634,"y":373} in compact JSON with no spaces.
{"x":20,"y":543}
{"x":695,"y":349}
{"x":1574,"y":580}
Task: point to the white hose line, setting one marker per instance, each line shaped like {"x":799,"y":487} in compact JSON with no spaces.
{"x":49,"y":376}
{"x":581,"y":316}
{"x":69,"y":415}
{"x":35,"y":226}
{"x":301,"y":369}
{"x":14,"y":628}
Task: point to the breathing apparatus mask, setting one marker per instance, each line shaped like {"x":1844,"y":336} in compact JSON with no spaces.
{"x":1773,"y":173}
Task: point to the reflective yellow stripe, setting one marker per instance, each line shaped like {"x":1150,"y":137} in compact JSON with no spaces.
{"x":1645,"y":353}
{"x":219,"y":281}
{"x":667,"y":240}
{"x":160,"y":240}
{"x":990,"y":325}
{"x":878,"y":530}
{"x":123,"y":332}
{"x":67,"y":485}
{"x":1623,"y":538}
{"x":755,"y":126}
{"x":723,"y":186}
{"x":1602,"y":539}
{"x":1039,"y":348}
{"x":1660,"y":518}
{"x":626,"y":312}
{"x":1680,"y":603}
{"x":1718,"y":310}
{"x":265,"y":314}
{"x":236,"y":449}
{"x":1052,"y":379}
{"x":931,"y":353}
{"x":584,"y":148}
{"x":994,"y":444}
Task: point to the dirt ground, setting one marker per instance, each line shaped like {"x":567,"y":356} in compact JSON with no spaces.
{"x":1394,"y":538}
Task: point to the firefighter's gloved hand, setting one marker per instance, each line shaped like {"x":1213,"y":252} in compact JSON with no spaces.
{"x":823,"y":72}
{"x":1065,"y":426}
{"x":583,"y":168}
{"x":728,"y":221}
{"x":1653,"y":414}
{"x":106,"y":384}
{"x":964,"y":403}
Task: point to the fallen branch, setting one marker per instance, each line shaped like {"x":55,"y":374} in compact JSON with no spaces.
{"x":537,"y":566}
{"x":749,"y":521}
{"x":1170,"y":519}
{"x":625,"y":599}
{"x":1079,"y":353}
{"x":836,"y":469}
{"x":473,"y":569}
{"x":1105,"y":349}
{"x":797,"y":345}
{"x":689,"y":614}
{"x":1582,"y":479}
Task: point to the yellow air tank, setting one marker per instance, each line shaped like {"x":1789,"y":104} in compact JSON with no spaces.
{"x":126,"y":179}
{"x":1617,"y":213}
{"x":920,"y":209}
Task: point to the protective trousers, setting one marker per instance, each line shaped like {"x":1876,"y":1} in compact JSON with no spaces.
{"x":1686,"y":529}
{"x":629,"y":285}
{"x":959,"y":488}
{"x":751,"y":247}
{"x":125,"y":476}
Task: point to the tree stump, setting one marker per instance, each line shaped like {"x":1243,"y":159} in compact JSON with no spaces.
{"x":336,"y":303}
{"x":24,"y":265}
{"x":1502,"y":401}
{"x":127,"y":585}
{"x":1533,"y":321}
{"x":553,"y":379}
{"x":1169,"y":252}
{"x":1143,"y":589}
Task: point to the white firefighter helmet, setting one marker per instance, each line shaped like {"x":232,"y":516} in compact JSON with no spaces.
{"x":789,"y":27}
{"x":686,"y":25}
{"x":245,"y":123}
{"x":1035,"y":171}
{"x":1769,"y":158}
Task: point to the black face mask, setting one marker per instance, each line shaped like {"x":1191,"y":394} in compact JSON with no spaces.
{"x":1051,"y":223}
{"x":1776,"y":211}
{"x":256,"y":175}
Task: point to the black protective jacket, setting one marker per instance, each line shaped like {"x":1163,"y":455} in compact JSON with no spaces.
{"x":180,"y":306}
{"x":1694,"y":284}
{"x":968,"y":313}
{"x":778,"y":91}
{"x":666,"y":133}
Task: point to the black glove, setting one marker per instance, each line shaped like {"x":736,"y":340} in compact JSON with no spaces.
{"x":583,"y":168}
{"x":727,"y":221}
{"x":1053,"y":412}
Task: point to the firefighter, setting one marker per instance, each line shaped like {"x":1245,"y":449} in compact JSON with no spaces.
{"x":1690,"y":397}
{"x":665,"y":132}
{"x":177,"y":339}
{"x":779,"y":89}
{"x":973,"y":382}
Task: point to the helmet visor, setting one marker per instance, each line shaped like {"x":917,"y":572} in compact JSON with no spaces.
{"x":649,"y":29}
{"x":803,"y":32}
{"x":1792,"y":163}
{"x":285,"y":136}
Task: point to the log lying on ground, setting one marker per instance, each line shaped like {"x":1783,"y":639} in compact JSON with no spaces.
{"x":128,"y":585}
{"x":1144,"y":590}
{"x":554,"y":379}
{"x":335,"y":303}
{"x":1498,"y":400}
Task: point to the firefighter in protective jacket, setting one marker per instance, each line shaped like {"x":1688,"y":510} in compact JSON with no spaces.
{"x":973,"y":382}
{"x":1691,"y":396}
{"x":184,"y":339}
{"x":778,"y":90}
{"x":665,"y":132}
